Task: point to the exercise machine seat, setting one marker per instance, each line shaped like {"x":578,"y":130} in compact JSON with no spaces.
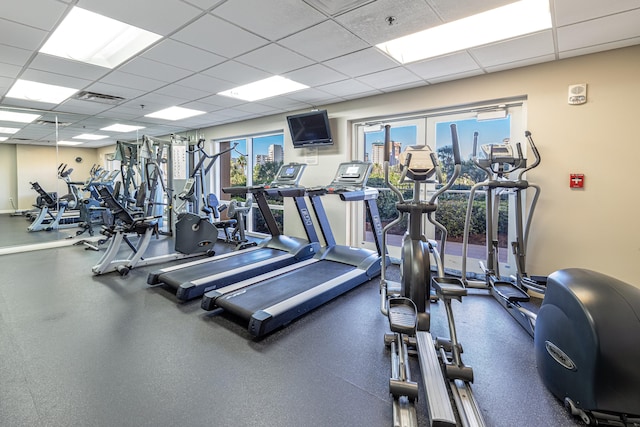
{"x":587,"y":341}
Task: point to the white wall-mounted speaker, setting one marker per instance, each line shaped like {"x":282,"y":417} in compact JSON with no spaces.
{"x":577,"y":94}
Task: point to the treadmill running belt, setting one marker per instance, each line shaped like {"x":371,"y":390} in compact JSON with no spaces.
{"x":215,"y":266}
{"x":247,"y":301}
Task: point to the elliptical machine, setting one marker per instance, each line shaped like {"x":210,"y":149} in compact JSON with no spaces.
{"x":504,"y":171}
{"x":407,"y":304}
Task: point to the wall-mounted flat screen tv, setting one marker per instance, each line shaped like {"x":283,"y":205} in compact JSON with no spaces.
{"x":310,"y":129}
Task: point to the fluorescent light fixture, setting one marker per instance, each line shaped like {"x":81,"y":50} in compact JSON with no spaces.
{"x":3,"y":138}
{"x":122,"y":128}
{"x":262,"y":89}
{"x":90,"y":137}
{"x":12,"y":116}
{"x":95,"y":39}
{"x":9,"y":130}
{"x":512,"y":20}
{"x":69,"y":142}
{"x":175,"y":113}
{"x":40,"y":92}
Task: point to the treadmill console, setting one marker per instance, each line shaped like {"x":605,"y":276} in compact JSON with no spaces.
{"x":351,"y":176}
{"x":288,"y":175}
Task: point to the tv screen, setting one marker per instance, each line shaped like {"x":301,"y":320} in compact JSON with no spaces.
{"x":310,"y":129}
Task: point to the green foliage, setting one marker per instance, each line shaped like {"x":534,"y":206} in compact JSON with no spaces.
{"x":452,"y":207}
{"x":266,"y":172}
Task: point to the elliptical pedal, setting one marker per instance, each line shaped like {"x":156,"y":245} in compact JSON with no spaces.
{"x":403,"y":317}
{"x":509,"y":292}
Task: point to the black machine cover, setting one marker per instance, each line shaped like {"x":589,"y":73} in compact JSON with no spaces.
{"x":587,"y":341}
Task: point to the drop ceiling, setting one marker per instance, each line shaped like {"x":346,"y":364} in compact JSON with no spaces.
{"x":209,"y":46}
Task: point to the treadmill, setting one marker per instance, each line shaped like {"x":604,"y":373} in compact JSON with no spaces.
{"x":192,"y":279}
{"x":274,"y":299}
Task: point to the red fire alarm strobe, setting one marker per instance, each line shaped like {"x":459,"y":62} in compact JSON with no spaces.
{"x":576,"y":180}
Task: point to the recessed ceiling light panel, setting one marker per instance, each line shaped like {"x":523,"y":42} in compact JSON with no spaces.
{"x":513,"y":20}
{"x":69,"y":142}
{"x":122,"y":128}
{"x":95,"y":39}
{"x":10,"y":131}
{"x":175,"y":113}
{"x":3,"y":138}
{"x":263,"y":89}
{"x":91,"y":137}
{"x":14,"y":116}
{"x":39,"y":92}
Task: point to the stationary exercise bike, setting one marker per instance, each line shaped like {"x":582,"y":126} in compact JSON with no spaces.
{"x":505,"y":166}
{"x":407,"y":304}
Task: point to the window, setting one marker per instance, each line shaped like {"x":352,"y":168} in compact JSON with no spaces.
{"x":254,"y":161}
{"x":434,"y":129}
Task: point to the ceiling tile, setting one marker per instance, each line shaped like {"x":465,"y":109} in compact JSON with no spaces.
{"x":389,"y":78}
{"x":271,"y":19}
{"x":599,"y":31}
{"x":182,"y":92}
{"x":600,"y":48}
{"x":315,"y":97}
{"x":213,"y":34}
{"x":10,"y":71}
{"x":169,"y":16}
{"x":574,"y":11}
{"x":236,"y":73}
{"x":274,"y":59}
{"x":316,"y":75}
{"x":43,"y":14}
{"x":154,"y":70}
{"x":55,"y":79}
{"x":119,"y":78}
{"x":370,"y":22}
{"x":182,"y":55}
{"x":82,"y":107}
{"x":514,"y":50}
{"x":206,"y":84}
{"x":22,"y":36}
{"x":113,"y":90}
{"x":204,"y":4}
{"x":454,"y":10}
{"x":363,"y":62}
{"x":346,"y":88}
{"x":455,"y":76}
{"x":14,"y":55}
{"x":324,"y":41}
{"x":451,"y":64}
{"x":59,"y":65}
{"x":522,"y":63}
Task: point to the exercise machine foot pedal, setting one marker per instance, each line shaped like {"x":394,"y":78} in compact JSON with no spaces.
{"x":510,"y":292}
{"x":403,"y":316}
{"x":449,"y":287}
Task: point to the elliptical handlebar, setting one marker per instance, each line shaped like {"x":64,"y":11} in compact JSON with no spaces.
{"x":457,"y":161}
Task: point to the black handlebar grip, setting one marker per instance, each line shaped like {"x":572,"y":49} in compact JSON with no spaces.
{"x":456,"y":145}
{"x":387,"y":142}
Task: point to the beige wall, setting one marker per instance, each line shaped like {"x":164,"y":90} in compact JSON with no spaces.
{"x":593,"y":228}
{"x":40,"y":163}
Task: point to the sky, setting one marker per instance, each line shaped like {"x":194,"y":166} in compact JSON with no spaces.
{"x":260,"y":145}
{"x":489,"y":131}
